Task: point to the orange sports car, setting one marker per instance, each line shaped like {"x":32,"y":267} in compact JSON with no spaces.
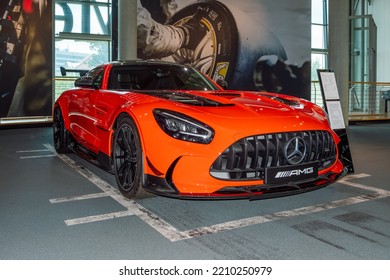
{"x":168,"y":129}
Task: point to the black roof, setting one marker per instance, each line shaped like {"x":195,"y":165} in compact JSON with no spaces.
{"x":143,"y":62}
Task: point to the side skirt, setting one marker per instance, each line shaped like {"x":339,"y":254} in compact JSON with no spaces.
{"x":101,"y":160}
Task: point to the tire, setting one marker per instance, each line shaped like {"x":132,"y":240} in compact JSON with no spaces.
{"x":127,"y":160}
{"x":60,"y":134}
{"x":236,"y":38}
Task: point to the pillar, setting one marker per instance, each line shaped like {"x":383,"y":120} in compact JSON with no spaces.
{"x":339,"y":55}
{"x":127,"y":29}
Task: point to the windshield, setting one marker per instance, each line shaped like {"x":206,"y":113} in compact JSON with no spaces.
{"x":158,"y":77}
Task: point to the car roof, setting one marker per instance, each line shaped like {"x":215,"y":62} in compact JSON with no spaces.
{"x":141,"y":62}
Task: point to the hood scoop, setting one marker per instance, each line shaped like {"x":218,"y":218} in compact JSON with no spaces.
{"x":289,"y":102}
{"x":190,"y":99}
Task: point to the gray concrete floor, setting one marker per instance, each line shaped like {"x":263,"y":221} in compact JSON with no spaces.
{"x":61,"y":207}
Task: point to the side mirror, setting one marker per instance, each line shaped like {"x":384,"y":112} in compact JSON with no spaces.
{"x":222,"y":83}
{"x":84,"y":82}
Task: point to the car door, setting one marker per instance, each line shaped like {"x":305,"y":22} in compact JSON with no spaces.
{"x":82,"y":111}
{"x":108,"y":101}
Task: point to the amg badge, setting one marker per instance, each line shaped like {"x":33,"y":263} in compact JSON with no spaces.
{"x":294,"y":173}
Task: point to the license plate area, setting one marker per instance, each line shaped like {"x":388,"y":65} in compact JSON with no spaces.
{"x":280,"y":175}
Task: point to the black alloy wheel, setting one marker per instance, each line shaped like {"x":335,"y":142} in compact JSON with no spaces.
{"x":127,"y":159}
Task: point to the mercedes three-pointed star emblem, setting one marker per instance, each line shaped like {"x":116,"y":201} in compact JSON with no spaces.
{"x":295,"y":150}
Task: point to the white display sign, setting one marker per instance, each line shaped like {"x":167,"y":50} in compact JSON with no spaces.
{"x":329,"y":86}
{"x":335,"y":114}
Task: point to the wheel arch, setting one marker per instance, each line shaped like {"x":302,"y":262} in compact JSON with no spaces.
{"x":117,"y":120}
{"x":119,"y":117}
{"x":64,"y":113}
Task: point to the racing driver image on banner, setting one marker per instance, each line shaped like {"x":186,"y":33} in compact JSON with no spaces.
{"x":25,"y":58}
{"x":230,"y":40}
{"x":158,"y":40}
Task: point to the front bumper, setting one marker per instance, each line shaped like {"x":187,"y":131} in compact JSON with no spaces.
{"x":166,"y":187}
{"x":253,"y":167}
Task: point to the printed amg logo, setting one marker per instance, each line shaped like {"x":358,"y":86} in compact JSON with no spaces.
{"x":296,"y":172}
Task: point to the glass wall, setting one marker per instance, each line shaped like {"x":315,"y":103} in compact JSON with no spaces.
{"x":319,"y":35}
{"x":319,"y":44}
{"x":82,"y":34}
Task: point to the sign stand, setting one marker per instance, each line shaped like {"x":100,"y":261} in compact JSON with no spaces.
{"x":332,"y":104}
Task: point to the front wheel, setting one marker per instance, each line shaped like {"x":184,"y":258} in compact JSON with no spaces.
{"x":127,"y":160}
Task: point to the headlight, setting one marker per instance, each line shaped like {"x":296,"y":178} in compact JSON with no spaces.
{"x":183,"y":127}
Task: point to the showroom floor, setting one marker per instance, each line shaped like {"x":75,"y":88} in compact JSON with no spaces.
{"x":61,"y":207}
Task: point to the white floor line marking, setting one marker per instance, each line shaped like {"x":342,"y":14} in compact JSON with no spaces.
{"x":172,"y":234}
{"x":354,"y":176}
{"x":368,"y":188}
{"x":97,"y":218}
{"x":42,"y":156}
{"x":76,"y":198}
{"x":377,"y":194}
{"x":148,"y":217}
{"x":160,"y":225}
{"x":279,"y":215}
{"x":34,"y":151}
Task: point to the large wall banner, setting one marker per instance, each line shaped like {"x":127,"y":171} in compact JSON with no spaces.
{"x":252,"y":44}
{"x":25,"y":58}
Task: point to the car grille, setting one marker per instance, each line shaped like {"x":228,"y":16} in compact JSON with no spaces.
{"x":248,"y":158}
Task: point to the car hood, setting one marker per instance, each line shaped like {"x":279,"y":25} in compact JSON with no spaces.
{"x":237,"y":103}
{"x":236,"y":107}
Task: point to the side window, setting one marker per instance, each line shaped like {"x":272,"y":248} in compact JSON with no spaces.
{"x":113,"y":79}
{"x":97,"y":75}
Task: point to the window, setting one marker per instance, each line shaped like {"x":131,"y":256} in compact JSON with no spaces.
{"x":82,"y":37}
{"x":319,"y":45}
{"x":319,"y":36}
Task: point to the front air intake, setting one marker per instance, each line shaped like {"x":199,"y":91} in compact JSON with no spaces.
{"x":248,"y":158}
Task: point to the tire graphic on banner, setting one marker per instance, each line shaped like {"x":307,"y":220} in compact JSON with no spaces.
{"x":232,"y":45}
